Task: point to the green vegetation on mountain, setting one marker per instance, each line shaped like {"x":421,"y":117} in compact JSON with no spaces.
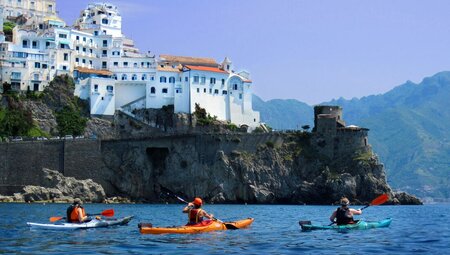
{"x":409,"y":130}
{"x":71,"y":112}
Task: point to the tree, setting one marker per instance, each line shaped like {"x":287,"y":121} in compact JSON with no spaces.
{"x":70,"y":121}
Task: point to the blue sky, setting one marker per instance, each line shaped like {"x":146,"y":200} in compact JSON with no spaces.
{"x":312,"y":51}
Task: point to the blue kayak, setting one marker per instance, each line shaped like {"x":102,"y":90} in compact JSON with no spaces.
{"x":360,"y":225}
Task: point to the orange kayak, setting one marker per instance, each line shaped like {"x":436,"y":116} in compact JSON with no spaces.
{"x":205,"y":226}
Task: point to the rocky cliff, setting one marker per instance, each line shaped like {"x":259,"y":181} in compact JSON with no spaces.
{"x":285,"y":170}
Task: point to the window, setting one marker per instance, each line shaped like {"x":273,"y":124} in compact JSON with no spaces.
{"x":198,"y":90}
{"x":114,"y":77}
{"x":210,"y":91}
{"x":64,"y":36}
{"x":152,"y":90}
{"x":95,"y":33}
{"x":105,"y":21}
{"x":95,"y":88}
{"x":77,"y":60}
{"x":186,"y":78}
{"x":83,"y":61}
{"x":104,"y":64}
{"x":162,"y":79}
{"x":105,"y":43}
{"x":179,"y":90}
{"x":223,"y":81}
{"x":135,"y":65}
{"x":25,"y":44}
{"x":36,"y":77}
{"x":164,"y":90}
{"x":196,"y":79}
{"x":44,"y":66}
{"x":134,"y":77}
{"x":235,"y":86}
{"x":116,"y":63}
{"x":212,"y":81}
{"x":224,"y":92}
{"x":84,"y":49}
{"x":35,"y":44}
{"x":125,"y":64}
{"x":240,"y":96}
{"x":104,"y":53}
{"x":90,"y":62}
{"x":77,"y":48}
{"x":77,"y":38}
{"x":152,"y":78}
{"x":144,"y":77}
{"x":204,"y":90}
{"x":124,"y":77}
{"x":84,"y":39}
{"x":172,"y":79}
{"x":47,"y":44}
{"x":203,"y":80}
{"x":37,"y":65}
{"x":216,"y":91}
{"x":66,"y":56}
{"x":110,"y":89}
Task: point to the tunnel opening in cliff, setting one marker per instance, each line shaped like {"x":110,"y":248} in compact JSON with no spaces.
{"x":157,"y":158}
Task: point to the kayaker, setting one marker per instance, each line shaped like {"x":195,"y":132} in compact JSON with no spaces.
{"x":195,"y":212}
{"x":344,"y":215}
{"x":76,"y":212}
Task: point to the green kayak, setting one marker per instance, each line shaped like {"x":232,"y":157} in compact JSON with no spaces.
{"x":360,"y":225}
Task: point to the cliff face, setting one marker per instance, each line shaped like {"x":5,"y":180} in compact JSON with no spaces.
{"x":283,"y":170}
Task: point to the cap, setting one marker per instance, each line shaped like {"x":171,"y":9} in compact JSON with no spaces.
{"x":344,"y":201}
{"x":77,"y":201}
{"x":197,"y":201}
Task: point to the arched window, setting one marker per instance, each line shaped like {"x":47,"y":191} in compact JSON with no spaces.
{"x":114,"y":77}
{"x":124,"y":77}
{"x":134,"y":77}
{"x":162,"y":79}
{"x":235,"y":86}
{"x":144,"y":77}
{"x":172,"y":79}
{"x":152,"y":90}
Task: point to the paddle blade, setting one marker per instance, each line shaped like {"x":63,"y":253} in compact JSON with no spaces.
{"x":380,"y":200}
{"x":53,"y":219}
{"x":108,"y":213}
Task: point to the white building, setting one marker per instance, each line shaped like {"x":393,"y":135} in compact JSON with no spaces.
{"x":99,"y":45}
{"x":110,"y":72}
{"x":29,"y":61}
{"x":28,"y":8}
{"x":187,"y":81}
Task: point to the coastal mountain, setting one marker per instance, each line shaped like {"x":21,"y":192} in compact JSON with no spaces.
{"x":409,"y":131}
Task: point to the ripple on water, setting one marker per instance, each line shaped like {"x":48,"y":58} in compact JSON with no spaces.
{"x":267,"y":235}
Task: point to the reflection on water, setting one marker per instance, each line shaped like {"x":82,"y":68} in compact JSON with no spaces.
{"x":275,"y":230}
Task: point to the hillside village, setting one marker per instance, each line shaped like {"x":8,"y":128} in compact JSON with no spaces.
{"x":109,"y":71}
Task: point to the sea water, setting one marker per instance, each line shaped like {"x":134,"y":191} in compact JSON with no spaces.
{"x":414,"y":229}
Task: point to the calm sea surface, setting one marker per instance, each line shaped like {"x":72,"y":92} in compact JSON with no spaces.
{"x":415,"y":229}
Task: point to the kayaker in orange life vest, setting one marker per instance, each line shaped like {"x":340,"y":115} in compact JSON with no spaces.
{"x":344,"y":215}
{"x":76,"y":213}
{"x":195,"y":212}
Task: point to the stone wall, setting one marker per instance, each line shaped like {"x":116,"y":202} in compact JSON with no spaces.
{"x":21,"y":163}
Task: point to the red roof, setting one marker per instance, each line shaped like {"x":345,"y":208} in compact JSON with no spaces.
{"x":205,"y":68}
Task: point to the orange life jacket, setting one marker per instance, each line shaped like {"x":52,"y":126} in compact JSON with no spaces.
{"x":74,"y":217}
{"x":194,"y":216}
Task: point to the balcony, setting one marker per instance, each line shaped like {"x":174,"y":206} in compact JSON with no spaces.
{"x":16,"y":76}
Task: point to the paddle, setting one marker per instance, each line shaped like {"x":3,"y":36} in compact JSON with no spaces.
{"x":172,"y":194}
{"x":106,"y":213}
{"x":377,"y":201}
